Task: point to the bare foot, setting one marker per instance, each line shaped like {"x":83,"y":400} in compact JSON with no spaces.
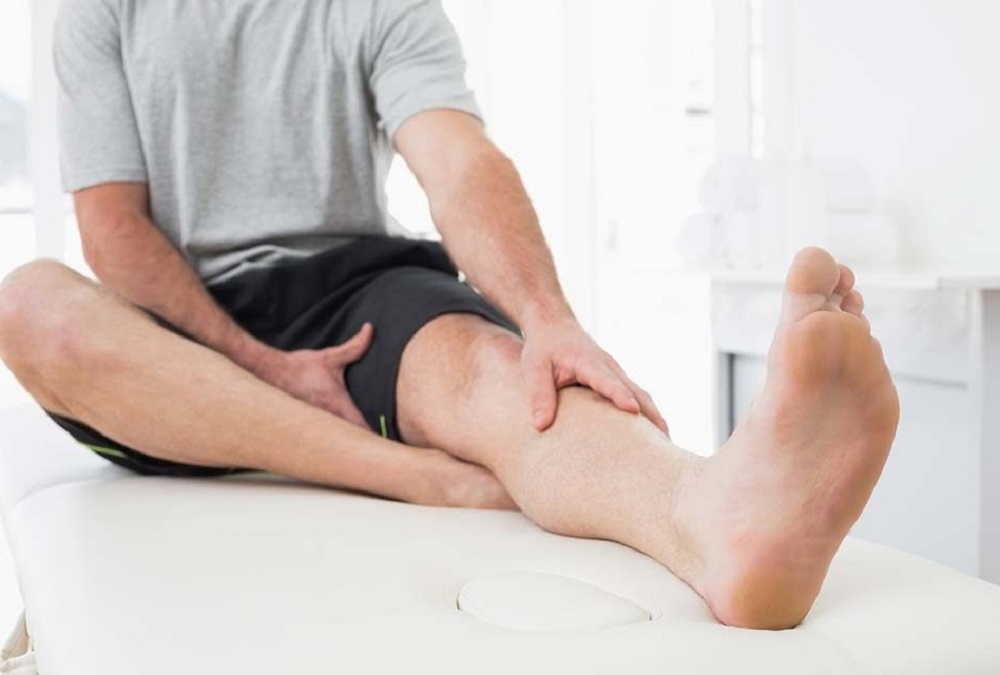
{"x":764,"y":517}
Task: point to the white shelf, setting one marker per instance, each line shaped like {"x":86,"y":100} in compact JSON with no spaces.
{"x":916,"y":280}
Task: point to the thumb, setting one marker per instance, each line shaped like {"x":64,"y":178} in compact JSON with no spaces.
{"x":353,"y":349}
{"x":348,"y":411}
{"x":542,"y":391}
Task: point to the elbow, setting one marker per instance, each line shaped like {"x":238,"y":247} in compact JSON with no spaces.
{"x":99,"y":232}
{"x":89,"y":248}
{"x":90,"y":244}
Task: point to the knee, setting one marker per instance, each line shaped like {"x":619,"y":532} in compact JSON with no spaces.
{"x":38,"y":313}
{"x":40,"y":272}
{"x":496,"y":356}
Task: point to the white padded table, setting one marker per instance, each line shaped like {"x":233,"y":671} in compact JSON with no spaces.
{"x":253,"y":574}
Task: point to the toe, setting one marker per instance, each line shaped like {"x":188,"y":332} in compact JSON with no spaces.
{"x":811,"y":284}
{"x":853,"y":303}
{"x":813,"y":271}
{"x":846,"y":282}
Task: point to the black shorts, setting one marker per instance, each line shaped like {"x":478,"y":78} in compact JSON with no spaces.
{"x":397,"y":285}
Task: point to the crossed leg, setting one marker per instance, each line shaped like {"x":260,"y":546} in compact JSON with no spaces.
{"x":752,"y":529}
{"x":83,"y":352}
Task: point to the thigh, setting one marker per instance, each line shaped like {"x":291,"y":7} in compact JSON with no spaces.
{"x":398,"y":302}
{"x":397,"y":285}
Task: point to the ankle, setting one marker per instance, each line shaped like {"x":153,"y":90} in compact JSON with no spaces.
{"x":683,"y":552}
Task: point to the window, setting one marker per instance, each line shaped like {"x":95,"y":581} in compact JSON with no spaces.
{"x":16,"y":223}
{"x":756,"y":56}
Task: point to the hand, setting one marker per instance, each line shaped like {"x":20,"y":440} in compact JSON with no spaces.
{"x":317,"y":376}
{"x":561,"y":354}
{"x":459,"y":484}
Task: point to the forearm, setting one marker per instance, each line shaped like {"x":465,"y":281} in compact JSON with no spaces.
{"x":133,"y":258}
{"x":491,"y":229}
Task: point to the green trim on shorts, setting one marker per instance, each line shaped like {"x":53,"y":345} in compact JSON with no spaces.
{"x":385,"y":427}
{"x":105,"y":451}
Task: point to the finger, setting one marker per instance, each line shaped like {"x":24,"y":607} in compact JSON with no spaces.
{"x":353,"y":349}
{"x":652,"y":413}
{"x":543,"y":396}
{"x":648,"y":407}
{"x":605,"y":382}
{"x":646,"y":404}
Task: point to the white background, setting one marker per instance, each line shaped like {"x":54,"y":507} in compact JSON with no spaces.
{"x":597,"y":100}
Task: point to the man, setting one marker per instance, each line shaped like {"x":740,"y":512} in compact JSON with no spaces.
{"x":227,"y":163}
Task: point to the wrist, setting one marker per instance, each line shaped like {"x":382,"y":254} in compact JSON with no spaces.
{"x":251,"y":354}
{"x":538,"y":316}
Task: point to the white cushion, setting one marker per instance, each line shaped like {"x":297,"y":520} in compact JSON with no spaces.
{"x":254,"y":574}
{"x":546,"y":603}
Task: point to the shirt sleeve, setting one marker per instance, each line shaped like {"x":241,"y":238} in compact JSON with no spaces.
{"x":98,"y":135}
{"x":417,"y":63}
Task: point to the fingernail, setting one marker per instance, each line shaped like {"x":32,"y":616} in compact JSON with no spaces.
{"x":538,"y":416}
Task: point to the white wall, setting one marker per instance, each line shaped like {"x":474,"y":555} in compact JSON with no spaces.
{"x":592,"y":99}
{"x":910,"y":89}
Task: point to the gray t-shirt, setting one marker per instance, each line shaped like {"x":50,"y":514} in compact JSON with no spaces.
{"x":263,"y":127}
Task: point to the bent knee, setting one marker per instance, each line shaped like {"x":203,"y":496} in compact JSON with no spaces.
{"x":34,"y":286}
{"x":39,"y":312}
{"x":40,"y":272}
{"x":496,"y":355}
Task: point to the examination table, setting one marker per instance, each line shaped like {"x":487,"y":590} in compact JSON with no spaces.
{"x":254,"y":574}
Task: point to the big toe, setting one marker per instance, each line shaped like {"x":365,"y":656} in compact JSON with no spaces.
{"x":813,"y":271}
{"x":812,"y":281}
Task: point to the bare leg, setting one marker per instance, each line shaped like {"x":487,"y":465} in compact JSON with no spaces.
{"x":85,"y":353}
{"x":752,"y":529}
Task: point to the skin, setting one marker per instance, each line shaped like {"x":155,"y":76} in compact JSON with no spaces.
{"x":84,"y":352}
{"x":488,"y":225}
{"x":471,"y":182}
{"x":133,"y":258}
{"x":752,"y":529}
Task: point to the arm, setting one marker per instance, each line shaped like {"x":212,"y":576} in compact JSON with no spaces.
{"x":128,"y":254}
{"x":486,"y":220}
{"x":104,"y":167}
{"x":132,"y":257}
{"x":490,"y":228}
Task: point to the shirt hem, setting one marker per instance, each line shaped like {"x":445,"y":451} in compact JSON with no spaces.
{"x":410,"y":110}
{"x":80,"y":181}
